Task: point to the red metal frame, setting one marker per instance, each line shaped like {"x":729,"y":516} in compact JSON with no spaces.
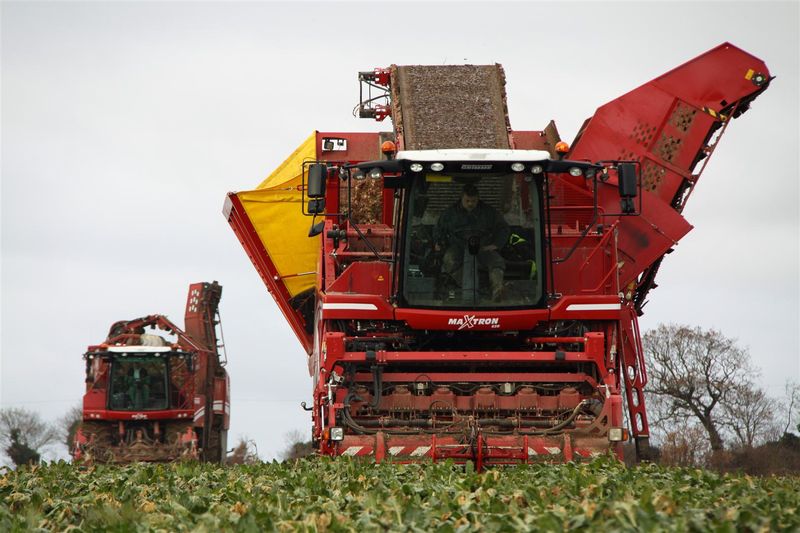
{"x":205,"y":389}
{"x":486,"y":449}
{"x":600,"y":266}
{"x":244,"y":230}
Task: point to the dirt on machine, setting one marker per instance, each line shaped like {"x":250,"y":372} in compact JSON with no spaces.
{"x":464,"y":290}
{"x":156,"y":392}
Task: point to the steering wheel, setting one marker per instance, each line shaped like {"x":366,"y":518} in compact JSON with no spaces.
{"x":471,"y":238}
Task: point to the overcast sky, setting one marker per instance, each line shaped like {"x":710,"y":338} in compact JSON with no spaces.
{"x":124,"y":125}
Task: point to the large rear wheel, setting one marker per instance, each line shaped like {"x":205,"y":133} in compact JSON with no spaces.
{"x":217,"y":442}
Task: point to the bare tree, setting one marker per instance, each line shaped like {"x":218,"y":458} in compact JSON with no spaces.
{"x":296,"y":446}
{"x":790,"y":407}
{"x":68,"y":425}
{"x":693,"y":374}
{"x":685,"y":445}
{"x":24,"y":434}
{"x":749,"y":414}
{"x":244,"y":453}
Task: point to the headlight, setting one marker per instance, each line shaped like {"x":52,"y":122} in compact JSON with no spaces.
{"x":337,"y":433}
{"x":436,"y":167}
{"x":376,"y":173}
{"x":537,"y":169}
{"x":517,"y":167}
{"x":416,"y":167}
{"x":616,"y":434}
{"x":575,"y":171}
{"x":358,"y":174}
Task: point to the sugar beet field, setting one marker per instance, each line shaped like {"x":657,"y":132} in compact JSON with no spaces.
{"x":342,"y":495}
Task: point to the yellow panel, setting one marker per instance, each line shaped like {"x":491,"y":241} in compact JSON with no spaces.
{"x":283,"y":230}
{"x":275,"y":210}
{"x":293,"y":166}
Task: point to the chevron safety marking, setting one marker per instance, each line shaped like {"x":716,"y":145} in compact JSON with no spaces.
{"x":220,"y":407}
{"x":543,"y":450}
{"x":583,"y":452}
{"x":352,"y":451}
{"x":420,"y":451}
{"x":413,"y":451}
{"x":718,"y":116}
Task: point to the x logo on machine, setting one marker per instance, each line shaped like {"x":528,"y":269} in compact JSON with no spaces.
{"x":469,"y":322}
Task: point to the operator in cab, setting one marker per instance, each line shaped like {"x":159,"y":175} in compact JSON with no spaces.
{"x":138,"y":386}
{"x":471,"y":226}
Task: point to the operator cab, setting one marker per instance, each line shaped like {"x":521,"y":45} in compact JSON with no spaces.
{"x":139,"y":379}
{"x":469,"y":223}
{"x":473,"y":229}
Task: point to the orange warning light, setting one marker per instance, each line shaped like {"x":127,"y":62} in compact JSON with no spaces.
{"x":562,"y":147}
{"x":388,"y":147}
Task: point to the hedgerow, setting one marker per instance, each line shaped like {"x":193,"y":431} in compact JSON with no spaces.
{"x":346,"y":495}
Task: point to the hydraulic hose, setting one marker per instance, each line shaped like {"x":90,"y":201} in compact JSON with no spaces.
{"x":426,"y":424}
{"x":377,"y":386}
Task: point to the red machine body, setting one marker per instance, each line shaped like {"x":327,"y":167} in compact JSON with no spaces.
{"x":404,"y":370}
{"x":151,"y":398}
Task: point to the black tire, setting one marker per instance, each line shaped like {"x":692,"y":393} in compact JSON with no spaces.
{"x":217,"y":442}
